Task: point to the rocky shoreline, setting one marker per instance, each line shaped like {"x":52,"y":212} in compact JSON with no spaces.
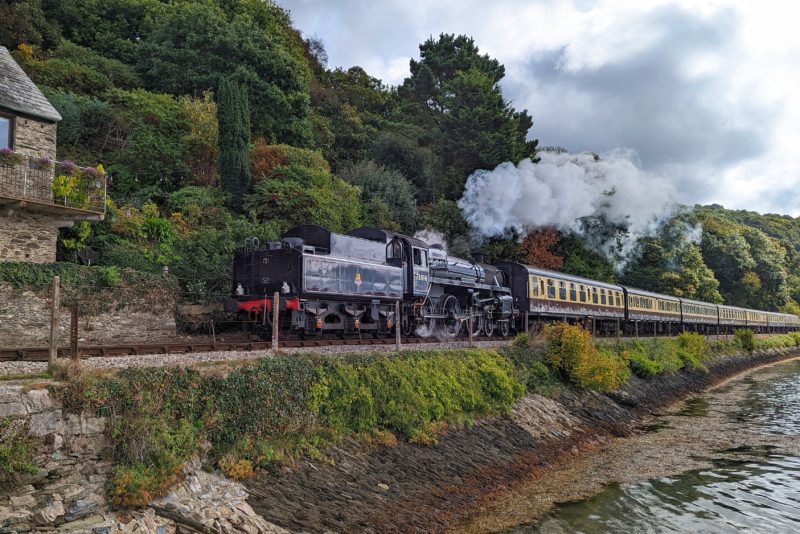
{"x":355,"y":486}
{"x":412,"y":488}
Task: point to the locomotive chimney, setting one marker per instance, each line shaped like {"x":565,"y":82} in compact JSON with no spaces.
{"x":477,"y":255}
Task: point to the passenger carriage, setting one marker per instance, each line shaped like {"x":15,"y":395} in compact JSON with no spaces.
{"x":542,"y":295}
{"x":731,"y":318}
{"x":651,"y":313}
{"x":699,"y":316}
{"x":758,"y":321}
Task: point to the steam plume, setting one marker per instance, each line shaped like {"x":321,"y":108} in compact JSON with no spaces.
{"x":563,"y":191}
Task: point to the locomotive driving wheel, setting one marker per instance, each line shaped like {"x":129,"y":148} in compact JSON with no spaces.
{"x":504,"y":327}
{"x":451,"y":322}
{"x":488,"y":326}
{"x":407,"y":326}
{"x":477,"y":324}
{"x":428,"y":326}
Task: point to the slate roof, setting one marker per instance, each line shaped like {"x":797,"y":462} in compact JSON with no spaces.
{"x":19,"y":93}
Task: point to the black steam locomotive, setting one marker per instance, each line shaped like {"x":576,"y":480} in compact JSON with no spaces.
{"x":350,"y":284}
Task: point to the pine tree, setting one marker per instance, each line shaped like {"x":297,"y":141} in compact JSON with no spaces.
{"x":233,"y":116}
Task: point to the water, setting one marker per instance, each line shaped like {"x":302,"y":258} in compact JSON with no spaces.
{"x":753,"y":486}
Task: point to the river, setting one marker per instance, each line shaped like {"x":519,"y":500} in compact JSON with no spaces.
{"x":724,"y":461}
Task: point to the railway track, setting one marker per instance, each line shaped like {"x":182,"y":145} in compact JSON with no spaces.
{"x":39,"y":354}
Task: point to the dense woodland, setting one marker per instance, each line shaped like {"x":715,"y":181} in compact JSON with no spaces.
{"x":217,"y":120}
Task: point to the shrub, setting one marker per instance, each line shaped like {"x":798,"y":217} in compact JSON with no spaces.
{"x":692,"y":349}
{"x":265,"y":158}
{"x":528,"y":358}
{"x":110,"y":276}
{"x":16,"y":454}
{"x":387,"y":185}
{"x":796,"y":338}
{"x":571,"y":351}
{"x":333,"y":204}
{"x":522,"y":340}
{"x":410,"y":393}
{"x":746,"y":339}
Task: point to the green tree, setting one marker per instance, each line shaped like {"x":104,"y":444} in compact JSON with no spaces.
{"x":386,"y":185}
{"x":233,"y":117}
{"x":669,"y":263}
{"x":454,"y":95}
{"x":581,"y":261}
{"x":26,"y":22}
{"x":404,"y":154}
{"x":190,"y":45}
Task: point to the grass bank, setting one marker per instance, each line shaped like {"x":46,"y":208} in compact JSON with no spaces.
{"x":251,"y":415}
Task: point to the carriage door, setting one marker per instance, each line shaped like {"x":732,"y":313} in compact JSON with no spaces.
{"x":420,"y":271}
{"x":395,"y":256}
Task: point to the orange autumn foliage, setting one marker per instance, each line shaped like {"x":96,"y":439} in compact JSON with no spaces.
{"x":536,"y":247}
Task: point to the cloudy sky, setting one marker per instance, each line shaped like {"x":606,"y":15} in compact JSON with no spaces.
{"x":705,"y":92}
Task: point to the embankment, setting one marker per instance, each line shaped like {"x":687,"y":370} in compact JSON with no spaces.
{"x":381,"y":443}
{"x":409,"y":488}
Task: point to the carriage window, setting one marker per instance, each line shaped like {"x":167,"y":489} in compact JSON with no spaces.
{"x":594,"y":295}
{"x":583,"y":293}
{"x":562,"y":290}
{"x":542,"y":284}
{"x":573,"y":295}
{"x":534,"y":281}
{"x":619,"y":299}
{"x":603,"y":297}
{"x":551,"y":289}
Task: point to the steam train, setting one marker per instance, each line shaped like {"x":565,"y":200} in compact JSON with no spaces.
{"x":351,"y":285}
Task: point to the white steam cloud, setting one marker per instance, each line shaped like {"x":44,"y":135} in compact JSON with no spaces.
{"x":563,"y":189}
{"x":432,"y":237}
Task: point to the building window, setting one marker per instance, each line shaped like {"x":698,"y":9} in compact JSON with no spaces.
{"x":6,"y":132}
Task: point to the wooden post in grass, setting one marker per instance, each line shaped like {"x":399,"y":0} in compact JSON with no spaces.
{"x":398,"y":321}
{"x":56,"y":297}
{"x":469,"y":327}
{"x":73,"y":333}
{"x":276,"y":300}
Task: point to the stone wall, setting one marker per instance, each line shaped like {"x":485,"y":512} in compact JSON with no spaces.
{"x":73,"y":455}
{"x":25,"y":322}
{"x":35,"y":138}
{"x":29,"y":237}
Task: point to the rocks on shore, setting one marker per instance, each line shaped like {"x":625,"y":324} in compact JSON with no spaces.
{"x":67,"y":494}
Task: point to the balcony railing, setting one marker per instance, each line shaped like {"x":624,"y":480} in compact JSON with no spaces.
{"x":55,"y":183}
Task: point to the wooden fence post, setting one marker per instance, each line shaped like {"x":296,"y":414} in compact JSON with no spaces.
{"x":73,"y":333}
{"x":276,"y":300}
{"x":53,"y":354}
{"x":398,"y":321}
{"x":469,"y":327}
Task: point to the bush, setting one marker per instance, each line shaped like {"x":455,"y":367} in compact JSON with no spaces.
{"x":410,"y":393}
{"x":692,"y":349}
{"x":528,"y":358}
{"x":796,"y":338}
{"x":110,"y":276}
{"x":16,"y":453}
{"x":265,"y":158}
{"x":387,"y":185}
{"x":333,"y":203}
{"x":746,"y":339}
{"x":571,"y":351}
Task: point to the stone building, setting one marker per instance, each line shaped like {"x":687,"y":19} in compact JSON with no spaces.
{"x":32,"y":206}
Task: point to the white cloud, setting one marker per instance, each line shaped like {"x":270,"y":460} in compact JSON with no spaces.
{"x":704,"y":91}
